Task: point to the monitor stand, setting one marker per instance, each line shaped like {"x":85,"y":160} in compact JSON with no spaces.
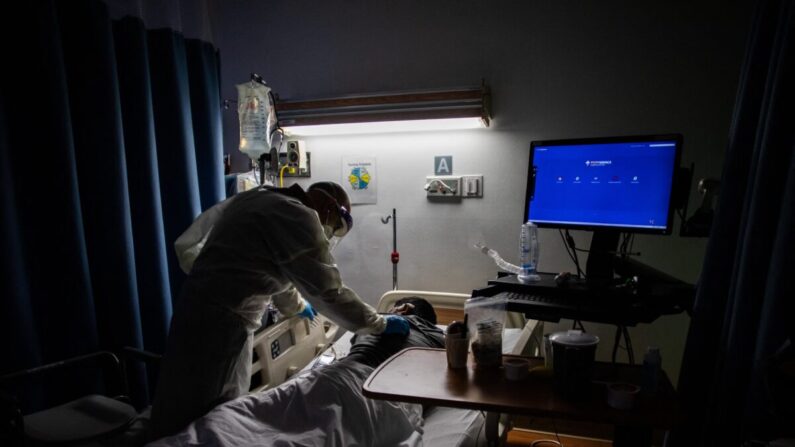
{"x":601,"y":258}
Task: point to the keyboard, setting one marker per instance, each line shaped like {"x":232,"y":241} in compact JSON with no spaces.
{"x":539,"y":300}
{"x":541,"y":307}
{"x":549,"y":307}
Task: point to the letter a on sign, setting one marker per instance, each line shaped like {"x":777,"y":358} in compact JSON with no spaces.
{"x":443,"y":165}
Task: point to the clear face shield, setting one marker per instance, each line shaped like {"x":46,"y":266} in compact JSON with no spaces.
{"x":345,"y":224}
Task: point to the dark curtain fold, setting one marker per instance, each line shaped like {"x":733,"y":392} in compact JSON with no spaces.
{"x":16,"y":322}
{"x":176,"y":157}
{"x":744,"y":306}
{"x":205,"y":99}
{"x":51,"y":262}
{"x":143,"y":180}
{"x":99,"y":176}
{"x":95,"y":109}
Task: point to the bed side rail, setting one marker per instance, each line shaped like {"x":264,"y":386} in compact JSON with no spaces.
{"x":286,"y":347}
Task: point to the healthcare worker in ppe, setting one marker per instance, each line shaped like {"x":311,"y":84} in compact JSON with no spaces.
{"x":262,"y":245}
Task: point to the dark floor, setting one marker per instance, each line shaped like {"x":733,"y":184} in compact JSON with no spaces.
{"x":571,"y":434}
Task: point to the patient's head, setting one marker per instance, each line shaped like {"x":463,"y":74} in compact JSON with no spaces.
{"x":414,"y":305}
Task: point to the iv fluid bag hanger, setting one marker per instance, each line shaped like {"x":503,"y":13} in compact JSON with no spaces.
{"x":257,"y":117}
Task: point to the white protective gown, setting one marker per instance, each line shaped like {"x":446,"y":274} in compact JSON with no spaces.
{"x":257,"y":246}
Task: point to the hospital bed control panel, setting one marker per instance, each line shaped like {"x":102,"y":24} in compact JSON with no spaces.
{"x":281,"y":344}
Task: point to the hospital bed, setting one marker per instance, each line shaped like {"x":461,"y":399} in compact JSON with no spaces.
{"x":294,"y":346}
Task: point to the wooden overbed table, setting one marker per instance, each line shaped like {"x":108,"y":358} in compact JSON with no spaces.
{"x":421,"y":375}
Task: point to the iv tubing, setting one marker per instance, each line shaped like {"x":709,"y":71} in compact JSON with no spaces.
{"x":501,"y":263}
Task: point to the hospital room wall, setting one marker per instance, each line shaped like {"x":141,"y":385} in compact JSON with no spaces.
{"x":557,"y":70}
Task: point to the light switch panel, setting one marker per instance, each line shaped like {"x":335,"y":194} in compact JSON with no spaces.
{"x":472,"y":186}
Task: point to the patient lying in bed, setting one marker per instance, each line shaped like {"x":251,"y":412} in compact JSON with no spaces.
{"x":372,"y":350}
{"x":325,"y":406}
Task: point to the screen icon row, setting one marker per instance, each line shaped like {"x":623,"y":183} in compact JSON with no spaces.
{"x":595,"y":178}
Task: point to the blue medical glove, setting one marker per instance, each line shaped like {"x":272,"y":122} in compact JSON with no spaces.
{"x":395,"y":324}
{"x":309,"y":312}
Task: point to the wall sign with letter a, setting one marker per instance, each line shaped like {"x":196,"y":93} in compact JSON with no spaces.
{"x":443,"y":165}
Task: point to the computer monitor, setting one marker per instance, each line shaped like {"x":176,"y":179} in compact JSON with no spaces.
{"x":606,"y":185}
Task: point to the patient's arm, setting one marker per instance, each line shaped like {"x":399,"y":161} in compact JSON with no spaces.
{"x":372,"y":350}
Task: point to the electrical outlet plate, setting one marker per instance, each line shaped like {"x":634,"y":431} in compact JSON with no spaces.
{"x":299,"y":172}
{"x":443,"y":186}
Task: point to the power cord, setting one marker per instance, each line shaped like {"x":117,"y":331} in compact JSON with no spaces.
{"x":623,"y":250}
{"x":573,"y":246}
{"x":572,"y":253}
{"x":626,"y":245}
{"x":541,"y":442}
{"x":555,"y":427}
{"x":623,"y":331}
{"x":441,"y":186}
{"x":628,"y":342}
{"x":556,"y":441}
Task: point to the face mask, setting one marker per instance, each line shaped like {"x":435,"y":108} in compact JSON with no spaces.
{"x":333,"y":239}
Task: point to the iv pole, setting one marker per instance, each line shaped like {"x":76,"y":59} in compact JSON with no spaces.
{"x":395,"y":257}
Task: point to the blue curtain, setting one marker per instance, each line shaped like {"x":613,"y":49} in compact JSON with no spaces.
{"x":743,"y":314}
{"x":111,"y":145}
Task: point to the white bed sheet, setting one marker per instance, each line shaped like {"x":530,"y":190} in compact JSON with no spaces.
{"x":453,"y":427}
{"x":323,"y":407}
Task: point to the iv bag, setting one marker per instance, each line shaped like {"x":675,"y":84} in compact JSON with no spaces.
{"x":257,"y":118}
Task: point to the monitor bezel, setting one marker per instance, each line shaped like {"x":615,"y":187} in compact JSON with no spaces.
{"x":597,"y":140}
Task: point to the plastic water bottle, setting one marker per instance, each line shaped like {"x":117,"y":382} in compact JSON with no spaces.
{"x":528,"y":252}
{"x":534,"y":248}
{"x":652,"y":365}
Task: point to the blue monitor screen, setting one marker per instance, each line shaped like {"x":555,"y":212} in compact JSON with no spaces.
{"x":595,"y":184}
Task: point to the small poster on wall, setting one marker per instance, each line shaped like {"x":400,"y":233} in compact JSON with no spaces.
{"x":359,"y":179}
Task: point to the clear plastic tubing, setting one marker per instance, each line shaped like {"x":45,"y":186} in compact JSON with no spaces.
{"x":501,"y":263}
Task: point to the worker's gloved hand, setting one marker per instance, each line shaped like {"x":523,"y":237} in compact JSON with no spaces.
{"x":309,"y":312}
{"x":395,"y":324}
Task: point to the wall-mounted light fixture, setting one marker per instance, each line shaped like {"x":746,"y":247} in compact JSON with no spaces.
{"x":394,"y":112}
